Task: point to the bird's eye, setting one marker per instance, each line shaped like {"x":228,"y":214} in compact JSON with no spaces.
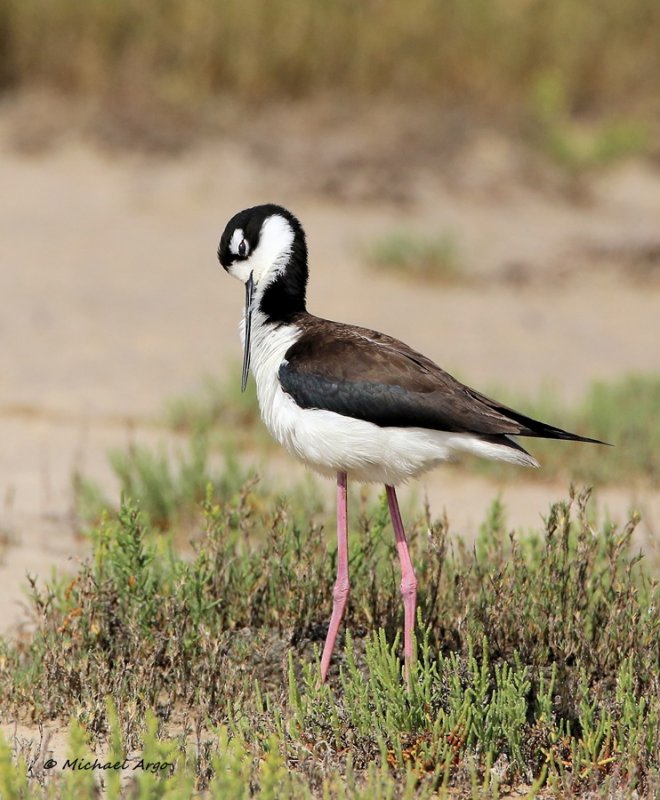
{"x":243,"y":248}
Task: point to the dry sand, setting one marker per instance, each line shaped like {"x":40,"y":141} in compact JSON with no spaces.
{"x":113,"y":302}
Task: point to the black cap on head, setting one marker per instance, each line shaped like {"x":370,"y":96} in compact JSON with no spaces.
{"x":250,"y":221}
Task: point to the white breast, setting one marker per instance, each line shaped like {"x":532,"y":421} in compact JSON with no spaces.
{"x":329,"y":442}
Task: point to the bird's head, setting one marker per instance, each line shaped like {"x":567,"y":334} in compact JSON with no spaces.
{"x":264,"y":247}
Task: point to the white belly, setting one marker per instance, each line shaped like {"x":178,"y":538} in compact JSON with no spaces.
{"x":330,"y":443}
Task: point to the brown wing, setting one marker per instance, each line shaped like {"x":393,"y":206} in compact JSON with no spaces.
{"x":367,"y":375}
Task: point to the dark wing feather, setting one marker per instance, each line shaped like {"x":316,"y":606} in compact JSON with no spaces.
{"x":369,"y":376}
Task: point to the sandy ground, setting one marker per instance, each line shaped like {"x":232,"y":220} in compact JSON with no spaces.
{"x":112,"y":302}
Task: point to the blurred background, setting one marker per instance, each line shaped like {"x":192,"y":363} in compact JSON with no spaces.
{"x":480,"y":179}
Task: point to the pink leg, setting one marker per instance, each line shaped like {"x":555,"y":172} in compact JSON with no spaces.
{"x":340,"y":592}
{"x":408,"y":579}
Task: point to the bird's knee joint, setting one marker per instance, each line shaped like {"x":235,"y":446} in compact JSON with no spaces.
{"x":340,"y":592}
{"x":409,"y":587}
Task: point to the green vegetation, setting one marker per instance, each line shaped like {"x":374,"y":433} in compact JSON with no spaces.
{"x":576,"y":147}
{"x":170,"y":487}
{"x":217,"y":402}
{"x":221,"y":413}
{"x":537,"y":655}
{"x":497,"y":57}
{"x":417,"y":256}
{"x":537,"y":660}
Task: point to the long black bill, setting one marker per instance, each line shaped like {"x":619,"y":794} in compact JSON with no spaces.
{"x":249,"y":294}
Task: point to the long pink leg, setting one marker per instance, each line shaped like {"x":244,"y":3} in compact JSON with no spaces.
{"x":408,"y":579}
{"x":340,"y":592}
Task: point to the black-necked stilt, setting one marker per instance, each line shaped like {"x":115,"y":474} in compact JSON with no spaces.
{"x":353,"y":402}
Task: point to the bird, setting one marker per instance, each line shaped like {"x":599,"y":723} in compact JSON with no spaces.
{"x":352,"y":403}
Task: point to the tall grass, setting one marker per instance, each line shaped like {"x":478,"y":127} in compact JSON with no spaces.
{"x":492,"y":54}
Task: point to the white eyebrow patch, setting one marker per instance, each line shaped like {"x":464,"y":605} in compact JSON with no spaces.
{"x":236,"y":238}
